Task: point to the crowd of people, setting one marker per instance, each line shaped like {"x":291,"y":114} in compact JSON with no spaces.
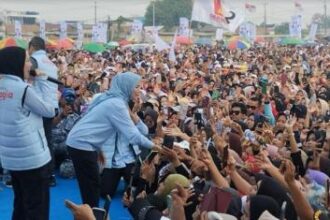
{"x":217,"y":134}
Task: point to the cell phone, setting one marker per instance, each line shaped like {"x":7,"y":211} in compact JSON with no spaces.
{"x":151,"y":156}
{"x":283,"y":210}
{"x":168,"y":142}
{"x":225,"y":156}
{"x":129,"y":189}
{"x":99,"y":213}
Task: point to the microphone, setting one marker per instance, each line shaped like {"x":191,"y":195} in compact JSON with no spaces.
{"x":50,"y":79}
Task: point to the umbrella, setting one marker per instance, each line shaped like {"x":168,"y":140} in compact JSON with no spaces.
{"x":64,"y":44}
{"x":183,"y":40}
{"x":237,"y":42}
{"x":51,"y":44}
{"x":94,"y":47}
{"x":124,"y":42}
{"x":11,"y":41}
{"x":203,"y":41}
{"x":112,"y":44}
{"x":291,"y":41}
{"x":259,"y":40}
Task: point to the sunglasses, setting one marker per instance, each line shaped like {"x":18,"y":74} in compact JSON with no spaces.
{"x":235,"y":112}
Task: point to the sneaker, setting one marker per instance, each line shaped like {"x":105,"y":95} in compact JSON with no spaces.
{"x":52,"y":181}
{"x":8,"y":184}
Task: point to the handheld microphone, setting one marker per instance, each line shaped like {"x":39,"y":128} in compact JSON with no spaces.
{"x":50,"y":79}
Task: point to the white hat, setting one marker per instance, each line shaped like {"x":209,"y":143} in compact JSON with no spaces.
{"x":220,"y":216}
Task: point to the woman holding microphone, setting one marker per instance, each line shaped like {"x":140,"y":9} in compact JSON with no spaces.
{"x":107,"y":118}
{"x":23,"y":146}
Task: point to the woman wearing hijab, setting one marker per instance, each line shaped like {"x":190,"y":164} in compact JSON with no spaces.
{"x":23,"y":146}
{"x":106,"y":117}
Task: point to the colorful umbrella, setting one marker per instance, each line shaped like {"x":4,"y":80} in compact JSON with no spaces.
{"x":64,"y":44}
{"x":51,"y":44}
{"x":94,"y":47}
{"x":112,"y":44}
{"x":11,"y":41}
{"x":124,"y":42}
{"x":259,"y":40}
{"x":183,"y":40}
{"x":237,"y":42}
{"x":291,"y":41}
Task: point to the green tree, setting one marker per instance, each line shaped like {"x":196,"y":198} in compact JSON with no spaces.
{"x":282,"y":28}
{"x":168,"y":12}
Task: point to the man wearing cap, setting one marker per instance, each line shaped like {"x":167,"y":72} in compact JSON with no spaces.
{"x":40,"y":61}
{"x":62,"y":124}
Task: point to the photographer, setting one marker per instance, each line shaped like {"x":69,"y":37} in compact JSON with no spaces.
{"x":40,"y":61}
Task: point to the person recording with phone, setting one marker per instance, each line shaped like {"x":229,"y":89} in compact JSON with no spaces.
{"x":41,"y":62}
{"x":23,"y":145}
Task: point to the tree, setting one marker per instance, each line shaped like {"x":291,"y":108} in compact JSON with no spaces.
{"x":282,"y":29}
{"x":168,"y":12}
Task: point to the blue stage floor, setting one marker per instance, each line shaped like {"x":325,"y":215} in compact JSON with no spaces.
{"x":65,"y":189}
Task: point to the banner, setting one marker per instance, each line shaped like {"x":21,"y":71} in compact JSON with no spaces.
{"x":80,"y":38}
{"x":95,"y":33}
{"x":42,"y":29}
{"x":296,"y":26}
{"x":217,"y":13}
{"x":102,"y":33}
{"x":184,"y":27}
{"x":171,"y":55}
{"x":313,"y":31}
{"x":250,"y":8}
{"x":137,"y":27}
{"x":63,"y":30}
{"x":248,"y":30}
{"x":18,"y":29}
{"x":219,"y":34}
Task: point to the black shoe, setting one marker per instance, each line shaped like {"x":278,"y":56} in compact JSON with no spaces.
{"x":52,"y":181}
{"x":8,"y":184}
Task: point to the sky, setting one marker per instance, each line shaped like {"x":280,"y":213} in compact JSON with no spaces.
{"x":57,"y":10}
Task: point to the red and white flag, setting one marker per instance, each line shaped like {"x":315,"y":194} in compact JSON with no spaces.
{"x":217,"y":13}
{"x":250,"y":8}
{"x":298,"y":5}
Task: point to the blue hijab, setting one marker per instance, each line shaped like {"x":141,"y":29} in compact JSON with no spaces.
{"x":122,"y":86}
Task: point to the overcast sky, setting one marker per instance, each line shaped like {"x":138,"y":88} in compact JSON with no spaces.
{"x":56,"y":10}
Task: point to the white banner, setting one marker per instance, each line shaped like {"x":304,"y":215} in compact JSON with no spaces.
{"x":42,"y":29}
{"x":18,"y":29}
{"x":95,"y":33}
{"x":219,"y":34}
{"x":171,"y":55}
{"x":99,"y":33}
{"x":217,"y":13}
{"x":313,"y":31}
{"x":295,"y":26}
{"x":63,"y":30}
{"x":137,"y":27}
{"x":184,"y":27}
{"x":248,"y":31}
{"x":80,"y":38}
